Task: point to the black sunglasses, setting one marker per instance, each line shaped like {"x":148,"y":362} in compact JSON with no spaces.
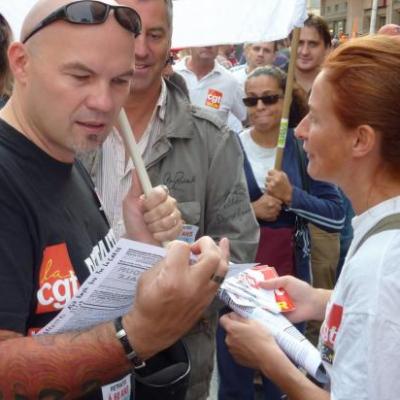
{"x":267,"y":100}
{"x":89,"y":12}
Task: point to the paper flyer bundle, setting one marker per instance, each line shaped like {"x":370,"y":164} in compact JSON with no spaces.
{"x":245,"y":288}
{"x":110,"y":292}
{"x":243,"y":295}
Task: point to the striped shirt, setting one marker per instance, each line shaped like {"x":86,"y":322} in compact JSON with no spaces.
{"x":114,"y":177}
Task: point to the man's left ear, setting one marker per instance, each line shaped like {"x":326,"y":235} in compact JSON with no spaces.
{"x":365,"y":138}
{"x":18,"y":60}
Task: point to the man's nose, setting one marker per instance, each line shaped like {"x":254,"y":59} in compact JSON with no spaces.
{"x":100,"y":98}
{"x":141,"y":47}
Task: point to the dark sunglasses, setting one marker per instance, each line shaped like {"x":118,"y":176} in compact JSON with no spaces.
{"x":267,"y":100}
{"x":89,"y":12}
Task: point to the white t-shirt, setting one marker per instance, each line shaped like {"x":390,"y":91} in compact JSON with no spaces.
{"x":218,"y":91}
{"x":261,"y":159}
{"x":360,"y":337}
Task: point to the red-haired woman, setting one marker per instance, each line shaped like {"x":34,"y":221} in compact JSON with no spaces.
{"x":352,"y":138}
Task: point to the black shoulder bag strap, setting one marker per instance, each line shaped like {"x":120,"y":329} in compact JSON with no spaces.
{"x":386,"y":224}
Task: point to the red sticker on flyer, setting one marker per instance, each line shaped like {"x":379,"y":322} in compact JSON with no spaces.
{"x":245,"y":288}
{"x":282,"y":298}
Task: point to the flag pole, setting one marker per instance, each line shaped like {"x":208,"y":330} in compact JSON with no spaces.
{"x":133,"y":151}
{"x":283,"y":129}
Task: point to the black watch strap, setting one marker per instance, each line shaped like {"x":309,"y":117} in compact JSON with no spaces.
{"x":129,"y":351}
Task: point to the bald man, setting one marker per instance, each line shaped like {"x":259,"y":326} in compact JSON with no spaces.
{"x":70,"y":82}
{"x":389,"y":29}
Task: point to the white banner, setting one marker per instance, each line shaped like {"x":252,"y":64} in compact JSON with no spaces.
{"x":211,"y":22}
{"x":15,"y":12}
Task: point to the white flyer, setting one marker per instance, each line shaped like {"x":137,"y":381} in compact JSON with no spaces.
{"x":109,"y":292}
{"x":291,"y":340}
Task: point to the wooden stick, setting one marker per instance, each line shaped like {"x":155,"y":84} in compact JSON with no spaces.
{"x":283,"y":129}
{"x":133,"y":150}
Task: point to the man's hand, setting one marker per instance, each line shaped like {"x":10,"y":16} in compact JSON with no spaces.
{"x":154,"y":218}
{"x":267,"y":208}
{"x":173,"y":295}
{"x":278,"y":185}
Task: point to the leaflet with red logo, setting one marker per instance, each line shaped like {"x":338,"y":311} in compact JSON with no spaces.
{"x":245,"y":290}
{"x":109,"y":291}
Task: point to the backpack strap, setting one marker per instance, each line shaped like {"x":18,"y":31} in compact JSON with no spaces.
{"x":386,"y":224}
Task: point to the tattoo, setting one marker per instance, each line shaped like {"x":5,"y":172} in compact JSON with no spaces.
{"x":63,"y":366}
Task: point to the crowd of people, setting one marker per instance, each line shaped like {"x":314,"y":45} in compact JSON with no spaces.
{"x":207,"y":130}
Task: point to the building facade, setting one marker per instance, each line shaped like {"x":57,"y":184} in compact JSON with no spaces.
{"x":354,"y":16}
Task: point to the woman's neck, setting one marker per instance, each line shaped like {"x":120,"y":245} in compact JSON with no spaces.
{"x":365,"y":193}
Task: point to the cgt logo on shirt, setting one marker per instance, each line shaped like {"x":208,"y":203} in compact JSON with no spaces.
{"x":57,"y":280}
{"x":214,"y":98}
{"x":329,"y":332}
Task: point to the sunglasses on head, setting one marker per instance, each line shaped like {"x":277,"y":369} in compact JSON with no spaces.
{"x":89,"y":12}
{"x":267,"y":100}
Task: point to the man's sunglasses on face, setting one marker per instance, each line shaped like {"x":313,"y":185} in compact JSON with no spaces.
{"x":89,"y":12}
{"x":267,"y":100}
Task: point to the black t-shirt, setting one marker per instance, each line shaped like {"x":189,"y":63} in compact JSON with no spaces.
{"x":53,"y":233}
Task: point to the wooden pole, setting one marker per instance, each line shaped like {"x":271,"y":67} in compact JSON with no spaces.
{"x":287,"y":100}
{"x":133,"y":150}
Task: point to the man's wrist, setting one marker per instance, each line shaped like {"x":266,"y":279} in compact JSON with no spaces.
{"x":130,"y":352}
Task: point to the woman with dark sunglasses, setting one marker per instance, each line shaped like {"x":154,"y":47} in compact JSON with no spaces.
{"x":283,"y":201}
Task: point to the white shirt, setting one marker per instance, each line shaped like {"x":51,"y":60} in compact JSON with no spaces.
{"x":261,"y":159}
{"x":239,"y":72}
{"x":360,"y":337}
{"x":217,"y":91}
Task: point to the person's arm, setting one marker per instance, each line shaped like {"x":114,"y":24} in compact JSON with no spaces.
{"x":252,"y":346}
{"x":170,"y":298}
{"x":229,"y":212}
{"x":59,"y":366}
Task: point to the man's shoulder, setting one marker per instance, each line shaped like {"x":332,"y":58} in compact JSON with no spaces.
{"x":202,"y":115}
{"x":238,"y":68}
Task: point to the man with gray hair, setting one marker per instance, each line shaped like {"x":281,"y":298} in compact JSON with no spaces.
{"x":53,"y":231}
{"x":189,"y":151}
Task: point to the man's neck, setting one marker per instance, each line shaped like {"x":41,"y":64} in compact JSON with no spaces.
{"x":306,"y":78}
{"x":200,"y":68}
{"x":139,"y":108}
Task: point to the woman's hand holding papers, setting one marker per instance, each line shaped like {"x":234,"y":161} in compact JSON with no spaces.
{"x":248,"y":341}
{"x":310,"y":302}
